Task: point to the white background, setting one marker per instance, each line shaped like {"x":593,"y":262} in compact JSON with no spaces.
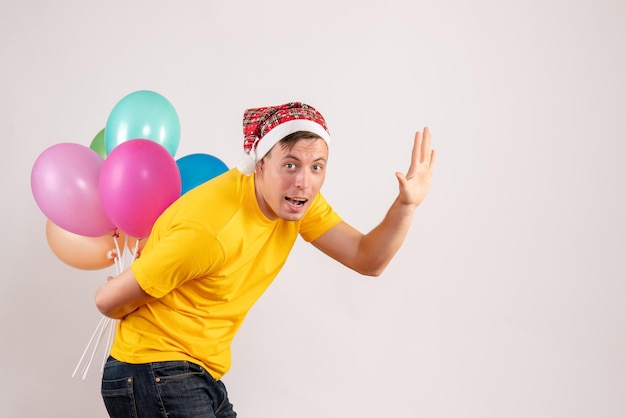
{"x":507,"y":299}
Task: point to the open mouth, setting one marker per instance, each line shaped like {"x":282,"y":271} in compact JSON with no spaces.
{"x":296,"y":201}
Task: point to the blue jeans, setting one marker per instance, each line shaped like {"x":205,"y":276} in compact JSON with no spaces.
{"x":172,"y":389}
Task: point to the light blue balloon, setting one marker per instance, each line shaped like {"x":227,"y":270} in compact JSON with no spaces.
{"x":143,"y":114}
{"x":196,"y":169}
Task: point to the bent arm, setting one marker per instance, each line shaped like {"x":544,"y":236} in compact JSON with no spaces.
{"x":121,"y":295}
{"x":370,"y":253}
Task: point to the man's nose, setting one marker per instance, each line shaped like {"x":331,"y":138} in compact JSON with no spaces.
{"x":302,"y":179}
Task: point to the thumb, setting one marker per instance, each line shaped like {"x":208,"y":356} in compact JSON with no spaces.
{"x":401,"y":178}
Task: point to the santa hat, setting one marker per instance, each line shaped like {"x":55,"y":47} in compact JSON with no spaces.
{"x":263,"y":127}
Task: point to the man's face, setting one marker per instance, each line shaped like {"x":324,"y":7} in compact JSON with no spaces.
{"x":287,"y":180}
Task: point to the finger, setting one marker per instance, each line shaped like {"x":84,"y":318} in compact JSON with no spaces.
{"x":416,"y":153}
{"x":433,"y":158}
{"x":401,"y":178}
{"x":425,"y":146}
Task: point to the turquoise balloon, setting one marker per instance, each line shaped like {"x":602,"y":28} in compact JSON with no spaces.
{"x":143,"y":114}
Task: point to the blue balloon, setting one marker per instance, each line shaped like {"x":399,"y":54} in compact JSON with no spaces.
{"x":196,"y":169}
{"x":143,"y":114}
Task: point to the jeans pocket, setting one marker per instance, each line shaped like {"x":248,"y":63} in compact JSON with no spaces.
{"x":119,"y":397}
{"x":184,"y":389}
{"x":168,"y":371}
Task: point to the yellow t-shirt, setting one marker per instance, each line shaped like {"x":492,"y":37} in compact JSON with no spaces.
{"x":208,"y":259}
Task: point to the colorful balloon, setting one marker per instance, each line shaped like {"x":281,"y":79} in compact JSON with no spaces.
{"x":143,"y":114}
{"x":81,"y":252}
{"x":138,"y":181}
{"x":195,"y":169}
{"x":64,"y":182}
{"x":97,"y":144}
{"x":135,"y":244}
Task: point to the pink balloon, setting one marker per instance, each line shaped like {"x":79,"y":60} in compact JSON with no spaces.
{"x":138,"y":181}
{"x":64,"y":183}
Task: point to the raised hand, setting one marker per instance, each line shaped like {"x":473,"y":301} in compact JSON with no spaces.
{"x":415,"y":184}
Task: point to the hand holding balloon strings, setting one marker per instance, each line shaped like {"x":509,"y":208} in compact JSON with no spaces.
{"x":106,"y":326}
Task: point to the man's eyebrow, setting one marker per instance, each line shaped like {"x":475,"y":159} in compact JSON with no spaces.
{"x":293,"y":157}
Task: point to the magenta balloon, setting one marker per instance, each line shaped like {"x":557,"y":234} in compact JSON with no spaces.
{"x":64,"y":183}
{"x":138,"y":181}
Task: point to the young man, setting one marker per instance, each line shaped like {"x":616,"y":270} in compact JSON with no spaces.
{"x":215,"y":250}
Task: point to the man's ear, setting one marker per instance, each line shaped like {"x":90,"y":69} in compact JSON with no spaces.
{"x":260,"y":166}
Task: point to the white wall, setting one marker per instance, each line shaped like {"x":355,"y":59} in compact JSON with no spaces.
{"x":507,"y":299}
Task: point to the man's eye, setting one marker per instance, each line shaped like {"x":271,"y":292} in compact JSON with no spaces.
{"x":318,"y":167}
{"x":290,"y":165}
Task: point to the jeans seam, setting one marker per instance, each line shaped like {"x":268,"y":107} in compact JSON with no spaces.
{"x":157,"y":391}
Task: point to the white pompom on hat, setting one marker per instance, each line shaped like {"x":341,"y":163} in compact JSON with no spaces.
{"x":264,"y":127}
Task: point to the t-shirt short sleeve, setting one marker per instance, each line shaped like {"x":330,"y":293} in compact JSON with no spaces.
{"x":184,"y":252}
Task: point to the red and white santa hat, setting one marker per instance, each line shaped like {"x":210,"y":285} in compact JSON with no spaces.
{"x":263,"y":127}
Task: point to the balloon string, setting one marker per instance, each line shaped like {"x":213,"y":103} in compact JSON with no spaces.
{"x":103,"y":322}
{"x":106,"y":326}
{"x":136,"y":250}
{"x":118,"y":259}
{"x":103,"y":326}
{"x":107,"y":347}
{"x":125,"y":249}
{"x":96,"y":345}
